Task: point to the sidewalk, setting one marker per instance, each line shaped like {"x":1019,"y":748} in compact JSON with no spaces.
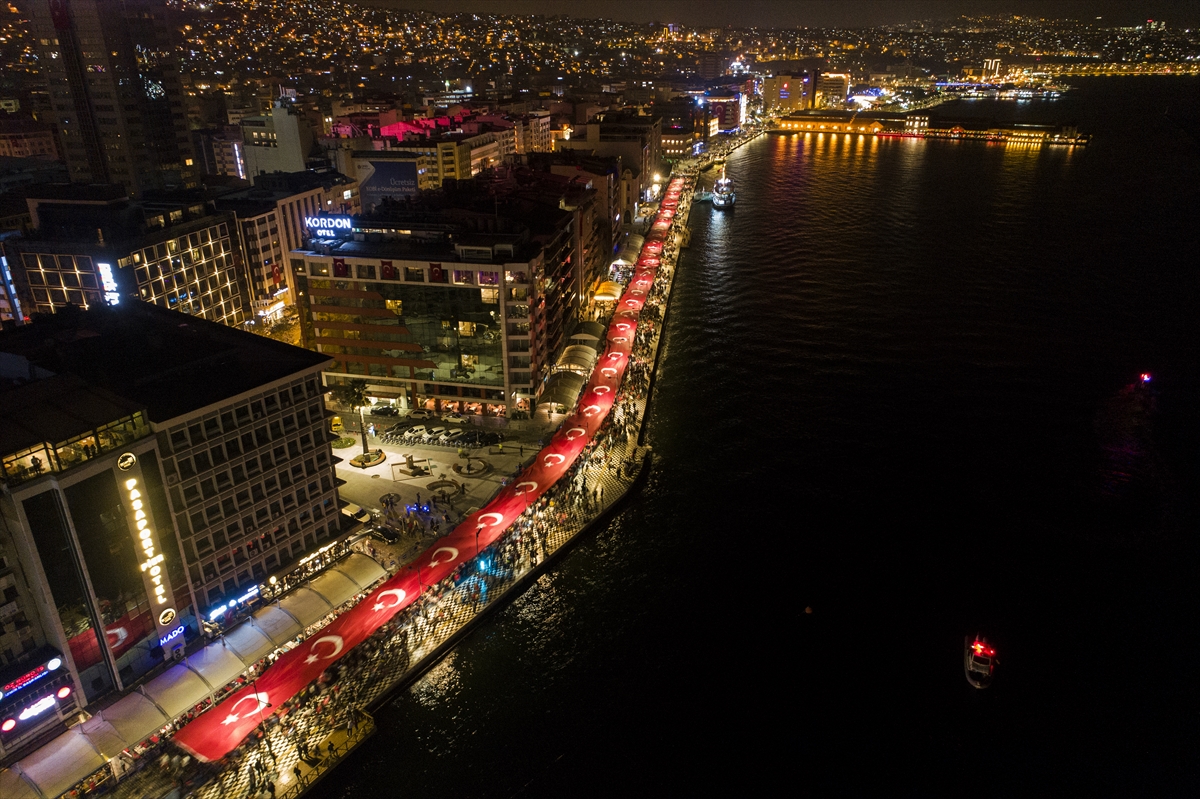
{"x":415,"y":639}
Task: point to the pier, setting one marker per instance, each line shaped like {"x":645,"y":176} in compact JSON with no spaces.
{"x":921,"y":127}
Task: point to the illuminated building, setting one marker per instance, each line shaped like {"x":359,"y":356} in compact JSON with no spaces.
{"x":787,"y":93}
{"x":727,"y":107}
{"x":277,"y":142}
{"x":636,"y":140}
{"x":150,"y":466}
{"x":91,"y":245}
{"x":297,"y":196}
{"x":116,"y":97}
{"x":832,"y":88}
{"x":261,"y":245}
{"x":460,"y":305}
{"x":24,"y":138}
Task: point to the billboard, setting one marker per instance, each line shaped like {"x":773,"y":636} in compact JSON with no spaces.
{"x":384,"y":178}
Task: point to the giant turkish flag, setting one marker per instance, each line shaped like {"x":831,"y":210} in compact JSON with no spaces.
{"x":217,"y":732}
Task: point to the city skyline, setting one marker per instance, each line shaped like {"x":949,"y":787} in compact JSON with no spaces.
{"x":784,"y":14}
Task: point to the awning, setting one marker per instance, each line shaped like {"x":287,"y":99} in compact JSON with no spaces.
{"x":578,"y":358}
{"x":134,"y":717}
{"x":77,"y":753}
{"x":176,"y":690}
{"x":592,"y":333}
{"x":58,"y":765}
{"x":609,"y":291}
{"x":562,"y":388}
{"x":363,"y":570}
{"x":277,"y":625}
{"x":216,"y":665}
{"x":306,"y":605}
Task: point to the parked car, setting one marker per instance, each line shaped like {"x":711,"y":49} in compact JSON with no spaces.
{"x":421,"y":413}
{"x":355,"y":512}
{"x":384,"y":410}
{"x":456,"y":418}
{"x":433,"y":434}
{"x":451,"y":437}
{"x":385,"y":535}
{"x":416,"y":431}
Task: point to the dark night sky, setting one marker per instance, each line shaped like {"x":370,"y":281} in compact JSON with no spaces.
{"x":821,"y":13}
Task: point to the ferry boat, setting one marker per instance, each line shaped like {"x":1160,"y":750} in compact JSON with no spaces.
{"x":979,"y":661}
{"x":723,"y":194}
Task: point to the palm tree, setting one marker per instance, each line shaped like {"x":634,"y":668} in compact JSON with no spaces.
{"x":354,"y":394}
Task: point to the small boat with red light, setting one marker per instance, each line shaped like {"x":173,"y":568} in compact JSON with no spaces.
{"x":979,"y":661}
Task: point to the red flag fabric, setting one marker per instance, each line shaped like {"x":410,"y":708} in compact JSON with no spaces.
{"x":217,"y":732}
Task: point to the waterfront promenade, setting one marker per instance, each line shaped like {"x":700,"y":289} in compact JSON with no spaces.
{"x":299,"y":742}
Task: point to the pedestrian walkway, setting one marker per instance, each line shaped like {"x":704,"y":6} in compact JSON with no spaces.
{"x":299,"y":742}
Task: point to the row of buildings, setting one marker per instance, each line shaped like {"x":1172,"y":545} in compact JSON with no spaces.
{"x":161,"y":466}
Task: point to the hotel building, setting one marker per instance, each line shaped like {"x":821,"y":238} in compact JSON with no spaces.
{"x":156,"y":474}
{"x":92,"y":246}
{"x":460,"y":306}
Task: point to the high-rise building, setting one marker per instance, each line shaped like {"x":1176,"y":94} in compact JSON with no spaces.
{"x":113,"y":79}
{"x":155,"y":475}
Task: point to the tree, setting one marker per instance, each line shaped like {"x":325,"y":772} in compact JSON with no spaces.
{"x":353,"y":393}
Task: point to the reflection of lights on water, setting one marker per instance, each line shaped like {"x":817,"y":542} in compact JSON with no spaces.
{"x":441,"y":681}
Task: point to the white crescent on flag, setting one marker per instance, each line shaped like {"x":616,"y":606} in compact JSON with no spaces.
{"x":260,"y":702}
{"x":532,"y":487}
{"x":398,"y":593}
{"x":608,"y":371}
{"x":496,"y":516}
{"x":578,"y":431}
{"x":434,"y":560}
{"x":337,"y":642}
{"x":554,"y":459}
{"x":591,"y":410}
{"x":601,"y":389}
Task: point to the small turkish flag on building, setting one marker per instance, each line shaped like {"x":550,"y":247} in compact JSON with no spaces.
{"x":435,"y":273}
{"x":275,"y":274}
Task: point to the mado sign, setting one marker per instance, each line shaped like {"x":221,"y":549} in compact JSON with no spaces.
{"x":328,"y":224}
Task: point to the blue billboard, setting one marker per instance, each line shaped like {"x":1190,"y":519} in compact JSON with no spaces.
{"x":382,"y":178}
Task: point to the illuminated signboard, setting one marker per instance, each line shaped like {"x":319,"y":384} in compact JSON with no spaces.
{"x":327,"y":224}
{"x":30,"y":677}
{"x":171,"y":636}
{"x":111,"y":295}
{"x":37,"y":708}
{"x":152,"y":565}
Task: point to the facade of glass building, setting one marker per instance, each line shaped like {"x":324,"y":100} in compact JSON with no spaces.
{"x":438,"y":313}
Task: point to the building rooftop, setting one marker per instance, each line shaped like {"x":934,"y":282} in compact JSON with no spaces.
{"x":56,"y":408}
{"x":166,"y":362}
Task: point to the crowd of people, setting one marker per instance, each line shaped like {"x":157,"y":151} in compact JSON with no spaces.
{"x":292,"y":734}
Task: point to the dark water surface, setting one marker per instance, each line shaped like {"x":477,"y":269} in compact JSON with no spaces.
{"x":893,"y":390}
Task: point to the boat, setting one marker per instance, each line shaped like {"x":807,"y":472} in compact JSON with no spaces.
{"x":723,"y":194}
{"x":979,"y":661}
{"x":704,"y":196}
